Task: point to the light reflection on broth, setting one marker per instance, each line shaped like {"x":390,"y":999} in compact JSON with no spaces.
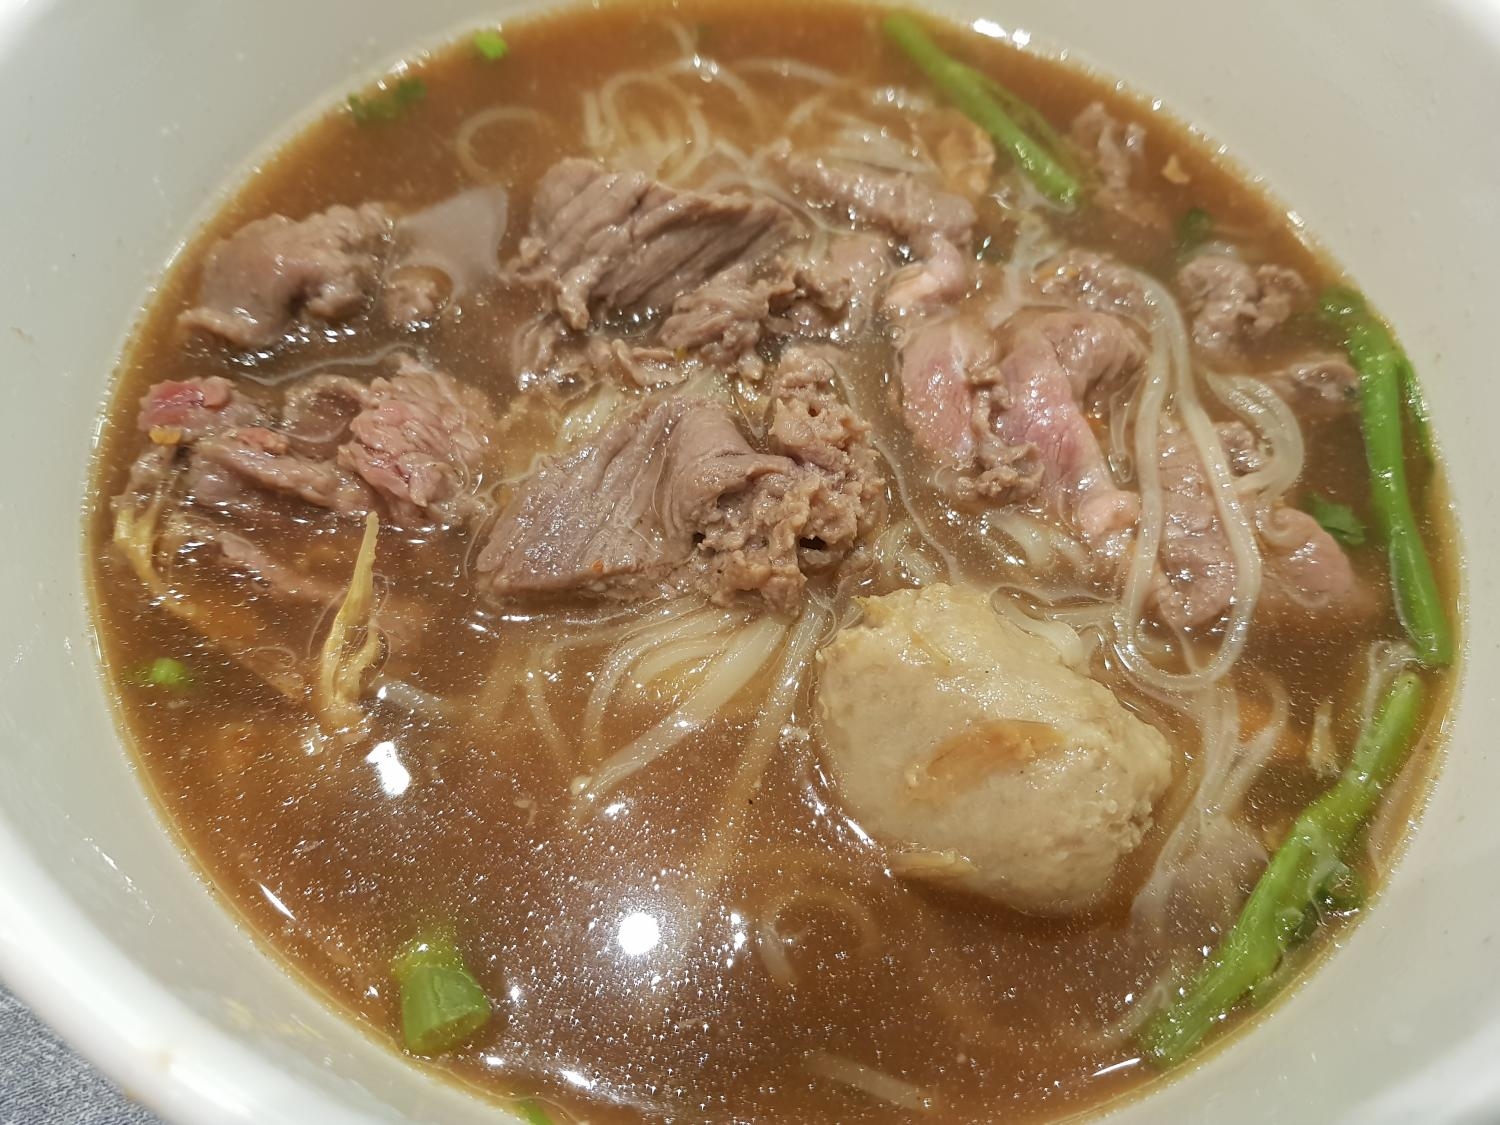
{"x":626,"y":808}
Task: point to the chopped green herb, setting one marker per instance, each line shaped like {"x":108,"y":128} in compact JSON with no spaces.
{"x":532,"y":1113}
{"x":164,"y":672}
{"x":1001,"y":114}
{"x":1337,"y":519}
{"x":1194,"y":229}
{"x":490,"y":45}
{"x":442,"y":1005}
{"x":389,"y":101}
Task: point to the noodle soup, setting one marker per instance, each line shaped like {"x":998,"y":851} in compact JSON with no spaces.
{"x":685,"y":578}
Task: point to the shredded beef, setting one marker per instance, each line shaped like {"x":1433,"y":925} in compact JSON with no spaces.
{"x":607,"y":243}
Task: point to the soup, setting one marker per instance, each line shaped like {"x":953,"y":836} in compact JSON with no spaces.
{"x":726,"y":563}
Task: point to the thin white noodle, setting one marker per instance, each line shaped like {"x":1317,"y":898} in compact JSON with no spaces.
{"x":876,"y":1083}
{"x":1265,"y":410}
{"x":463,"y":140}
{"x":744,"y":656}
{"x":791,"y":68}
{"x":637,"y":644}
{"x":1169,"y":372}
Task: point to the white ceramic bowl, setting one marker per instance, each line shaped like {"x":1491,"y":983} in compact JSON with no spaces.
{"x":120,"y":124}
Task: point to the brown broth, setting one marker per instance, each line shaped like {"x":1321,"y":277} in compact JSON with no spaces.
{"x":334,"y":858}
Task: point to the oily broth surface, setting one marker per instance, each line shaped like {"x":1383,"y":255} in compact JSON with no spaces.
{"x":334,"y":857}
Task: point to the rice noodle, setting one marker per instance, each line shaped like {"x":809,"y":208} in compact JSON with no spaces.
{"x":749,"y":651}
{"x":770,"y":946}
{"x":877,"y":1084}
{"x":695,"y":625}
{"x":1266,"y":412}
{"x":476,"y":123}
{"x":1169,"y":385}
{"x":1209,"y":848}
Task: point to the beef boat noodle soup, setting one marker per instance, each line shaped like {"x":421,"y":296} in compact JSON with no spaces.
{"x":777,"y":563}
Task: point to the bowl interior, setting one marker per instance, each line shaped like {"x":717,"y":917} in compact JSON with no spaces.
{"x":125,"y":125}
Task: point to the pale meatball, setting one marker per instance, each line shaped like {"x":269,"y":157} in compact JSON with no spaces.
{"x":971,"y":750}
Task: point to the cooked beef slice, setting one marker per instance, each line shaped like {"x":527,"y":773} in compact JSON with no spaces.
{"x":1233,"y":303}
{"x":671,"y":494}
{"x":900,"y":203}
{"x":606,"y":243}
{"x":816,"y":510}
{"x":619,"y":512}
{"x":1004,"y":410}
{"x":411,"y":445}
{"x":274,"y":273}
{"x":1117,"y":151}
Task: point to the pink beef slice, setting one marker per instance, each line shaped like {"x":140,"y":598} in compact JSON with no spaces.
{"x":1305,"y":573}
{"x":1233,"y":303}
{"x":419,"y":441}
{"x":184,"y":411}
{"x":275,"y":273}
{"x":1196,"y":576}
{"x":606,"y":243}
{"x":1005,"y":410}
{"x":411,"y":445}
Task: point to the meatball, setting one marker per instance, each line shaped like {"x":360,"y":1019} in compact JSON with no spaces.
{"x":970,"y":748}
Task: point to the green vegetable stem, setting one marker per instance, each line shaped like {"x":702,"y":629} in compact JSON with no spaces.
{"x":1383,"y":369}
{"x":985,"y":102}
{"x":1309,"y":869}
{"x":442,"y":1005}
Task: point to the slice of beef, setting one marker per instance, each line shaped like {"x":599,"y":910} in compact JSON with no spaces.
{"x":1118,"y":153}
{"x":1320,"y":386}
{"x":838,"y":285}
{"x":1241,"y":447}
{"x":900,"y":203}
{"x":723,"y":320}
{"x":232,"y":551}
{"x":929,"y":285}
{"x":413,"y":443}
{"x":225,"y":469}
{"x":1307,"y":574}
{"x":619,"y":512}
{"x":1004,"y":411}
{"x":275,"y":273}
{"x":444,"y":253}
{"x":1233,"y":303}
{"x":1051,"y":362}
{"x":816,"y":510}
{"x":174,"y":412}
{"x":609,"y":243}
{"x":1089,"y":280}
{"x":937,"y":397}
{"x":1197,"y":571}
{"x":419,"y":441}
